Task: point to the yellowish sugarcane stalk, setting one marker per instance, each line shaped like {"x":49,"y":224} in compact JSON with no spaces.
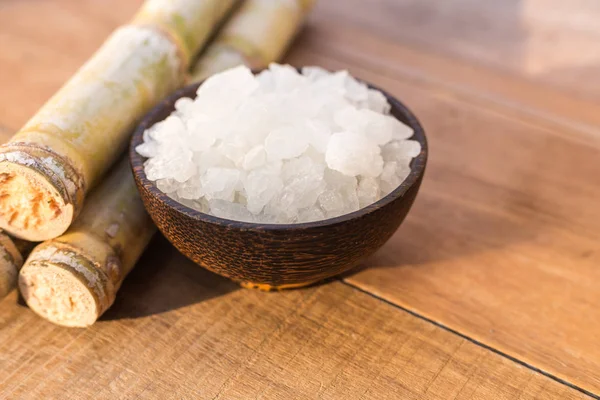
{"x":12,"y":252}
{"x":47,"y":168}
{"x":189,"y":22}
{"x":73,"y":279}
{"x":256,"y":35}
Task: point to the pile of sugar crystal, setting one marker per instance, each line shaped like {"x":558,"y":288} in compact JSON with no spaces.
{"x":279,"y":147}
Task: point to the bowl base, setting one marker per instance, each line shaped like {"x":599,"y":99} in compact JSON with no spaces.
{"x":265,"y":287}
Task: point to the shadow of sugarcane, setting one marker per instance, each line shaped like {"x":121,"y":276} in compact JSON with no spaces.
{"x":164,"y":280}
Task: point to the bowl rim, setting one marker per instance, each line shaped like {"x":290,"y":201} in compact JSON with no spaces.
{"x":417,"y":165}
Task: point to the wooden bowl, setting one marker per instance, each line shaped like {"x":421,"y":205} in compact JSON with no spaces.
{"x":276,"y":256}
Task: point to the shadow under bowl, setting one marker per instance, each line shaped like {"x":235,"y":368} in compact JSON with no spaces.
{"x":277,"y":256}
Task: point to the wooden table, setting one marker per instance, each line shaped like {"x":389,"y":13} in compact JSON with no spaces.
{"x":490,"y":289}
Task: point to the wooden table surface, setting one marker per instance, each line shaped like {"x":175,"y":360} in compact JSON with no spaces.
{"x":489,"y":290}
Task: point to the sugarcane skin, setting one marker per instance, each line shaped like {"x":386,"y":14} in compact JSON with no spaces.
{"x":79,"y":132}
{"x":190,"y":22}
{"x":116,"y":214}
{"x":89,"y":118}
{"x":11,"y":261}
{"x":265,"y":26}
{"x":259,"y":32}
{"x":307,"y":5}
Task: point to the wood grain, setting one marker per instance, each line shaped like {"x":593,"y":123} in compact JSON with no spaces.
{"x":548,"y":42}
{"x":502,"y":245}
{"x":177,"y":331}
{"x":387,"y":39}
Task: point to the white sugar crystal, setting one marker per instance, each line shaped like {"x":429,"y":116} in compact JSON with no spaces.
{"x":286,"y":142}
{"x":222,"y":93}
{"x":261,"y":186}
{"x":314,"y":73}
{"x":402,"y":151}
{"x":374,"y":126}
{"x":172,"y":162}
{"x":228,"y":210}
{"x":148,"y":149}
{"x":337,"y":180}
{"x":389,"y":177}
{"x":167,"y":185}
{"x":356,"y":91}
{"x":400,"y":131}
{"x":211,"y":158}
{"x":336,"y":203}
{"x":350,"y":118}
{"x":410,"y":148}
{"x":402,"y":171}
{"x":318,"y":134}
{"x":234,"y":149}
{"x":368,"y":191}
{"x":310,"y":214}
{"x":286,"y":78}
{"x":255,"y":157}
{"x":340,"y":197}
{"x":190,"y":189}
{"x":379,"y":127}
{"x":303,"y":180}
{"x":353,"y":154}
{"x":279,"y":147}
{"x":336,"y":82}
{"x":184,"y":107}
{"x":198,"y":204}
{"x":219,"y":183}
{"x":171,"y":128}
{"x":377,"y":102}
{"x":199,"y":135}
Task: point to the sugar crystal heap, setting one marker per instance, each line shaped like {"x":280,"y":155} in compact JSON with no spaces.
{"x":279,"y":147}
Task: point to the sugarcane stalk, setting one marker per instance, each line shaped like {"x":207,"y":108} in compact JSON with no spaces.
{"x":189,"y":22}
{"x":73,"y":279}
{"x":307,"y":4}
{"x":12,"y":252}
{"x":256,"y":35}
{"x":47,"y":168}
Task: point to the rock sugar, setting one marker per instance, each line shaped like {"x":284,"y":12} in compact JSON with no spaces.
{"x":279,"y":147}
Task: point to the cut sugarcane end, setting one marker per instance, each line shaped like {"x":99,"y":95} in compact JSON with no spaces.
{"x":70,"y":284}
{"x":32,"y":206}
{"x":53,"y":292}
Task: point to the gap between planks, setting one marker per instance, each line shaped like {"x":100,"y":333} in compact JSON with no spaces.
{"x":475,"y":342}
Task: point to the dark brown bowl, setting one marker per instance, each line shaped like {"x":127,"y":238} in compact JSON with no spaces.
{"x":276,"y":256}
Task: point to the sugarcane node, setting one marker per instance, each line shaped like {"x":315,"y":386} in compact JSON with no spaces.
{"x":182,"y":53}
{"x":113,"y":269}
{"x":118,"y":249}
{"x":307,"y":4}
{"x":47,"y":182}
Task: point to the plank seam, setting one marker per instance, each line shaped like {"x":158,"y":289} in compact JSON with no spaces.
{"x":475,"y":342}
